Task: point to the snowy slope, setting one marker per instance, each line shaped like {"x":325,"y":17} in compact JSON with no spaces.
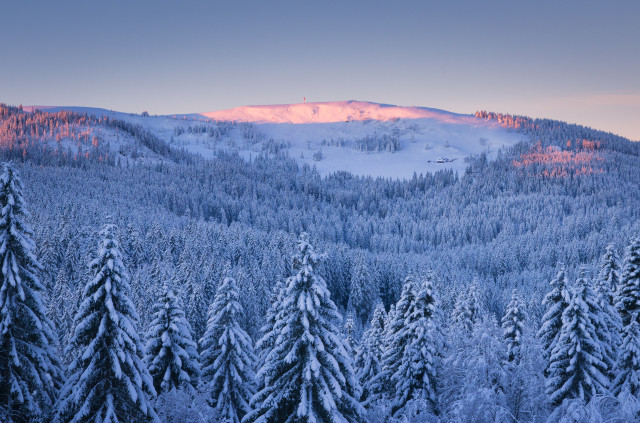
{"x":427,"y":137}
{"x":335,"y":111}
{"x":333,"y":136}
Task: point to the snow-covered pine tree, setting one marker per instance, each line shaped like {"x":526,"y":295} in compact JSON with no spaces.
{"x":270,"y":331}
{"x":612,"y":326}
{"x":609,"y":276}
{"x":108,"y":379}
{"x":606,"y":285}
{"x":227,"y":356}
{"x":350,"y":335}
{"x":628,"y":294}
{"x":369,"y":356}
{"x":396,"y":339}
{"x":380,"y":386}
{"x":65,"y":300}
{"x":513,"y":326}
{"x":186,"y":278}
{"x":309,"y":375}
{"x":415,"y":379}
{"x":30,"y":371}
{"x":577,"y":368}
{"x":171,"y":354}
{"x":387,"y":334}
{"x":607,"y":325}
{"x":363,"y":290}
{"x":473,"y":378}
{"x":466,"y":310}
{"x":556,"y":302}
{"x":136,"y":252}
{"x":627,"y":370}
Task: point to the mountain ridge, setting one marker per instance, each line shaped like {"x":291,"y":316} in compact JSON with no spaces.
{"x":332,"y":111}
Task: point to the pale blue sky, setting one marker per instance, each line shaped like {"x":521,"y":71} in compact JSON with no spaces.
{"x":572,"y":60}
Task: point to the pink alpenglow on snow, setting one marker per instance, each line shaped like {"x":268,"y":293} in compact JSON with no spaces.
{"x":334,"y":111}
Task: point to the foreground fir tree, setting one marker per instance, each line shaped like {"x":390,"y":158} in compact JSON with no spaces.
{"x":606,"y":286}
{"x":628,"y":294}
{"x":108,"y":379}
{"x":270,"y":330}
{"x":64,"y":297}
{"x":387,"y":334}
{"x":309,"y":375}
{"x":609,"y":275}
{"x":362,"y":289}
{"x":556,"y":302}
{"x":466,"y":310}
{"x":171,"y":354}
{"x":227,"y":356}
{"x":415,"y":379}
{"x":29,"y":368}
{"x":577,"y":368}
{"x":472,"y":383}
{"x":350,"y":335}
{"x":369,"y":356}
{"x":397,"y":339}
{"x":513,"y":327}
{"x":381,"y":387}
{"x":627,"y":370}
{"x":611,"y":326}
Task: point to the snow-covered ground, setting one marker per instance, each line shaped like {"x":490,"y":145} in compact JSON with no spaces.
{"x":327,"y":135}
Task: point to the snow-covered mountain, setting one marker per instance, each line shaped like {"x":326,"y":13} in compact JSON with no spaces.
{"x":363,"y":138}
{"x":334,"y":111}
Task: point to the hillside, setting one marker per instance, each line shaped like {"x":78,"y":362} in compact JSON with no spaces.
{"x":362,"y":138}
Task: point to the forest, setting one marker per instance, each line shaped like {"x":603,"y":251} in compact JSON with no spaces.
{"x":184,"y":289}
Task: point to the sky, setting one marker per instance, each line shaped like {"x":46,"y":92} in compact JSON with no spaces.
{"x":577,"y":61}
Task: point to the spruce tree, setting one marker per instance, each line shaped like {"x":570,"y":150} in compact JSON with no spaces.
{"x":611,"y":326}
{"x":188,"y":280}
{"x":108,"y":379}
{"x":171,"y":354}
{"x":513,"y":327}
{"x":396,"y":340}
{"x":29,"y":368}
{"x":628,"y":294}
{"x":387,"y":334}
{"x":577,"y":366}
{"x":606,"y":285}
{"x":362,"y":289}
{"x":369,"y":356}
{"x":556,"y":302}
{"x":270,"y":331}
{"x":381,"y":386}
{"x":309,"y":375}
{"x":65,"y":299}
{"x":627,"y":370}
{"x":415,"y":378}
{"x":609,"y":277}
{"x":350,"y":335}
{"x":466,"y":310}
{"x":227,"y":356}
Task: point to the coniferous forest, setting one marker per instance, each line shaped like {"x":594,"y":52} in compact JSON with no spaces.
{"x":181,"y":289}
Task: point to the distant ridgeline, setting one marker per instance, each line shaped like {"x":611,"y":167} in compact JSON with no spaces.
{"x":559,"y":199}
{"x":67,"y":137}
{"x":551,"y":132}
